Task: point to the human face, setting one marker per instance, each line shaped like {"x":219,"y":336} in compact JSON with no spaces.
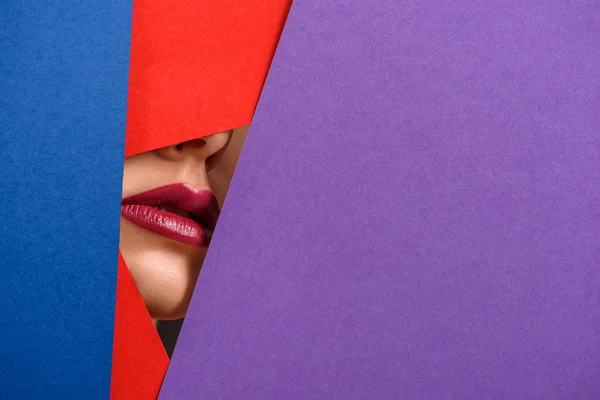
{"x":168,"y":215}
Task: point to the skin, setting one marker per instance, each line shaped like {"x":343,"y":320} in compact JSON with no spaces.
{"x":165,"y":271}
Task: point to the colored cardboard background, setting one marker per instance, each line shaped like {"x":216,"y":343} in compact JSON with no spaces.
{"x":197,"y":67}
{"x":63,"y":98}
{"x":139,"y":358}
{"x":414,"y":214}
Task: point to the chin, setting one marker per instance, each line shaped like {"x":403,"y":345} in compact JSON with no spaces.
{"x":165,"y":310}
{"x":165,"y":272}
{"x":166,"y":293}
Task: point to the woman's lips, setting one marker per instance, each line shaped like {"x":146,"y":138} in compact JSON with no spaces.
{"x":179,"y":212}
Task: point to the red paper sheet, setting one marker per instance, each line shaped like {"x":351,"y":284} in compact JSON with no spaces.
{"x":139,"y":358}
{"x":197,"y":67}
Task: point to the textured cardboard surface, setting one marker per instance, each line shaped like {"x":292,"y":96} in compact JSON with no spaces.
{"x":139,"y":358}
{"x":63,"y":98}
{"x":415,"y":212}
{"x":197,"y":67}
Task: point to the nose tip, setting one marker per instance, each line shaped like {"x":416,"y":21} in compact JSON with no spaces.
{"x":200,"y":149}
{"x":195,"y":148}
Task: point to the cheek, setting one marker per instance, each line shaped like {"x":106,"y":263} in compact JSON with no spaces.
{"x":165,"y":272}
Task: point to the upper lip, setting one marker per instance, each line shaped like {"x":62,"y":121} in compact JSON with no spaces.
{"x":200,"y":204}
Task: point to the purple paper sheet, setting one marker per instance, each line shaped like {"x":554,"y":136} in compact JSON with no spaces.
{"x":415,"y":214}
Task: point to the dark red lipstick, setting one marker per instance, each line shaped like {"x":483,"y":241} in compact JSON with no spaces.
{"x":179,"y":212}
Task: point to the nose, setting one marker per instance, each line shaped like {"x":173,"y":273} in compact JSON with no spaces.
{"x":197,"y":150}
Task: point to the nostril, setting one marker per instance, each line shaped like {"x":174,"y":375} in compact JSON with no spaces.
{"x":196,"y":143}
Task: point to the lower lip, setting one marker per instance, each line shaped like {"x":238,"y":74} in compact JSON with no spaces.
{"x":166,"y":224}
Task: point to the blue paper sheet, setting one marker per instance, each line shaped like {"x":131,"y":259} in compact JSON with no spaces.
{"x":63,"y":90}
